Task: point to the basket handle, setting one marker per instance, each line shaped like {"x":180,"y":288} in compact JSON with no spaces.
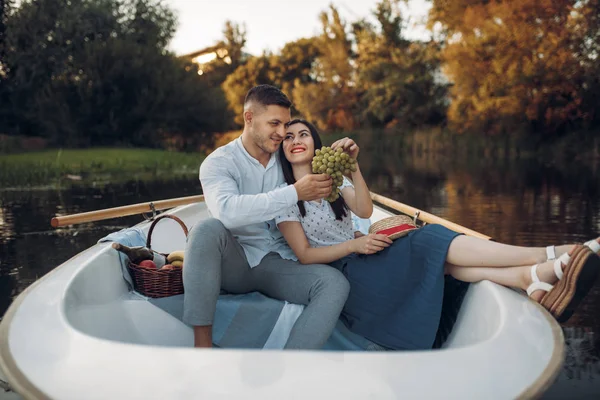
{"x":179,"y":221}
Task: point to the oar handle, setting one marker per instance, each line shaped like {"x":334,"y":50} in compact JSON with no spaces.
{"x":123,"y":211}
{"x":425,"y":216}
{"x":170,"y":203}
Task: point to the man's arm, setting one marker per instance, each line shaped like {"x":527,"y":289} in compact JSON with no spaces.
{"x":223,"y":198}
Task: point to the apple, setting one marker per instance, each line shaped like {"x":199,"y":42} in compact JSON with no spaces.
{"x":147,"y":264}
{"x":167,"y":267}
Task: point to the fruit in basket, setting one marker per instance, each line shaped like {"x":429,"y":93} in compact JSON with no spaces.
{"x":135,"y":254}
{"x":167,"y":267}
{"x":177,"y":263}
{"x":175,"y":256}
{"x":147,"y":264}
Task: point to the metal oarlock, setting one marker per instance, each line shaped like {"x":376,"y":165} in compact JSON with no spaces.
{"x":416,"y":217}
{"x":154,"y":213}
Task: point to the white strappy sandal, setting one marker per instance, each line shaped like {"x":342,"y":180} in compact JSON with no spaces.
{"x":537,"y":284}
{"x":581,"y":270}
{"x":593,"y":245}
{"x":550,"y":253}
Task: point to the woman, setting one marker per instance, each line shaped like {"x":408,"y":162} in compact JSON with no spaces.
{"x":397,"y":287}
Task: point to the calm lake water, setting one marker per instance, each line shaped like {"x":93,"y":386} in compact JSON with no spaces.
{"x":517,"y":202}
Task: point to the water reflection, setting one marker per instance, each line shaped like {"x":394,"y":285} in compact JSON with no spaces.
{"x":517,"y":202}
{"x":30,"y":248}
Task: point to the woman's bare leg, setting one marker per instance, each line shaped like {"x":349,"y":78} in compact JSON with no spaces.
{"x":469,"y":251}
{"x":518,"y":277}
{"x":515,"y":277}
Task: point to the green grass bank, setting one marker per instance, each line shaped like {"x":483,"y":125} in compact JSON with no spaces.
{"x":94,"y":166}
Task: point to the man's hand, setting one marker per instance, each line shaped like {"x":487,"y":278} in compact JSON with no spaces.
{"x":313,"y":187}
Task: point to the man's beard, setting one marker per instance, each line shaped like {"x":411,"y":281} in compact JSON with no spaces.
{"x":263,"y":144}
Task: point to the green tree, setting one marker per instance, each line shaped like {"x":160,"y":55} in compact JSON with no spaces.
{"x":149,"y":23}
{"x":97,"y":73}
{"x":398,"y":80}
{"x":6,"y":8}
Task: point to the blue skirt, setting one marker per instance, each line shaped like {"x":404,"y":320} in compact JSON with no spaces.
{"x":396,"y":295}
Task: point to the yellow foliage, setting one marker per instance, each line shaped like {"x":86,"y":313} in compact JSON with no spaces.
{"x":221,"y":139}
{"x":514,"y":61}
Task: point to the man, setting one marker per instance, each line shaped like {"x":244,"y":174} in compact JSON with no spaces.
{"x":240,"y":249}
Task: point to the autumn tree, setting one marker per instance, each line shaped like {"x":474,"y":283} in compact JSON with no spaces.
{"x":364,"y":74}
{"x":295,"y":64}
{"x":254,"y":72}
{"x":516,"y":65}
{"x":229,"y":52}
{"x":316,"y":73}
{"x":329,"y":99}
{"x":292,"y":66}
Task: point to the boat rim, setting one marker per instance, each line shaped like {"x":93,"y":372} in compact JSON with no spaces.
{"x":553,"y":368}
{"x":24,"y":387}
{"x":16,"y":378}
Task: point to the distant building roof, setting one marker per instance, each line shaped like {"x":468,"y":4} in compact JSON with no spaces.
{"x":211,"y":49}
{"x":207,"y":55}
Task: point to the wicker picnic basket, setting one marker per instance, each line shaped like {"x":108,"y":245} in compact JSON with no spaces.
{"x":155,"y":282}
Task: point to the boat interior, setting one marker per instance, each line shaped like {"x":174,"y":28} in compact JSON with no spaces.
{"x":98,"y":301}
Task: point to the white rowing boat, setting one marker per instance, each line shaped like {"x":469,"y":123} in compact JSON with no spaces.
{"x":79,"y":333}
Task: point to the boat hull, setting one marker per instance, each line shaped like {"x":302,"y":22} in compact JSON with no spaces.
{"x":78,"y":333}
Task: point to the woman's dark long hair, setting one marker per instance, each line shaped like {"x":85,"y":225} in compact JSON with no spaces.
{"x":339,"y":206}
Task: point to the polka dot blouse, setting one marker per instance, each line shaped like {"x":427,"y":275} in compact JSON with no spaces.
{"x":319,"y":223}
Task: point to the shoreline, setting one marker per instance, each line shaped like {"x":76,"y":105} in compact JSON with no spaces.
{"x":58,"y":168}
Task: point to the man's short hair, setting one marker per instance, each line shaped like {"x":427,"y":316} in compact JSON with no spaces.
{"x":267,"y":95}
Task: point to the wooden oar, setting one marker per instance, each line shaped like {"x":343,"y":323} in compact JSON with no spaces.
{"x":123,"y":211}
{"x":425,"y":216}
{"x":170,"y":203}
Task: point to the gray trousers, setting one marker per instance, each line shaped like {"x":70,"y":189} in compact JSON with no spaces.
{"x":214,"y":260}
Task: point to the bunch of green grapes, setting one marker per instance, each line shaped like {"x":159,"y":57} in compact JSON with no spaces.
{"x":334,"y":163}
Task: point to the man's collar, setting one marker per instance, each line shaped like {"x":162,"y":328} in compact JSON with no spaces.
{"x":273,"y":159}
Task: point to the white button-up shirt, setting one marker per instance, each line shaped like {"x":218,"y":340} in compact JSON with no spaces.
{"x":246,"y":197}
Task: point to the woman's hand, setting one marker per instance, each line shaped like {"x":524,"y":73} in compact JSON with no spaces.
{"x":370,"y":244}
{"x":348,"y":145}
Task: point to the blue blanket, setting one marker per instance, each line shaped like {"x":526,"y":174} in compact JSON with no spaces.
{"x":250,"y":320}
